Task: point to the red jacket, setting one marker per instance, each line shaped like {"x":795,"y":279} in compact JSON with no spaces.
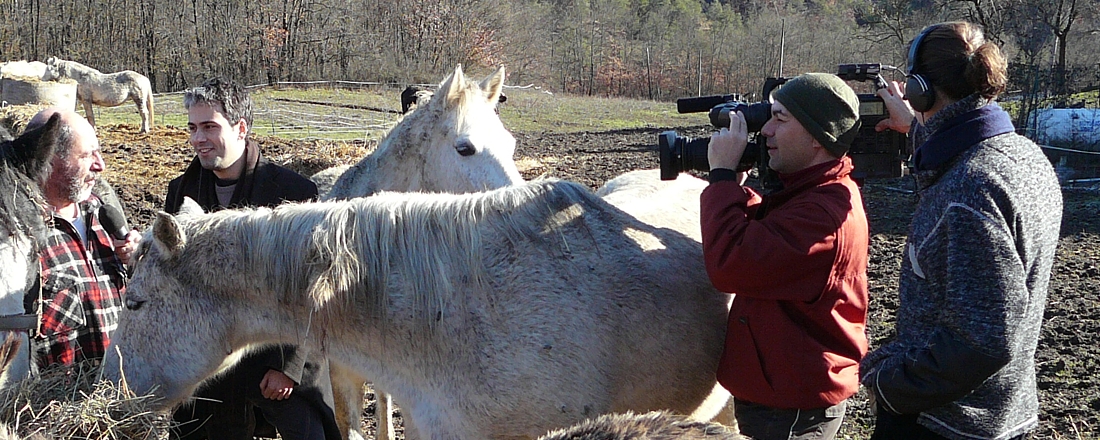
{"x":797,"y":262}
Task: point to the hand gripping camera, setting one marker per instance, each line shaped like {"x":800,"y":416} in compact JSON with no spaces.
{"x":874,"y":154}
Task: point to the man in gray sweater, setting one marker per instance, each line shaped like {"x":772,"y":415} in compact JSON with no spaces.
{"x":977,"y":261}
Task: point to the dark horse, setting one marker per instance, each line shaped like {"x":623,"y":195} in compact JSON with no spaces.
{"x":24,"y":163}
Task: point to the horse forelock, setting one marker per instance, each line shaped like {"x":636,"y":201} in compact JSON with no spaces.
{"x":459,"y":96}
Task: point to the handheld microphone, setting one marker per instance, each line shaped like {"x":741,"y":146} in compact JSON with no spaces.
{"x":114,"y":222}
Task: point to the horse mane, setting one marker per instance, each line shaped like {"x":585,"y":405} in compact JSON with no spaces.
{"x":20,"y":204}
{"x":74,"y":69}
{"x":21,"y":169}
{"x":395,"y":138}
{"x":318,"y":253}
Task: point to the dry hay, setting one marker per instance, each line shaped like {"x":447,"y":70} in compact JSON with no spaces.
{"x":70,"y":403}
{"x":34,"y":79}
{"x":14,"y":118}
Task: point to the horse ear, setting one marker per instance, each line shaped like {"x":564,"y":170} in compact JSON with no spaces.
{"x":453,"y":86}
{"x":34,"y":149}
{"x":493,"y":85}
{"x":190,"y":207}
{"x":168,"y":235}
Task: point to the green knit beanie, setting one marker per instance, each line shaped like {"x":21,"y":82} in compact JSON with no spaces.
{"x":826,"y":107}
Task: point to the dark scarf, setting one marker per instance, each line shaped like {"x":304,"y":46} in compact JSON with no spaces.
{"x":957,"y":134}
{"x":208,"y":196}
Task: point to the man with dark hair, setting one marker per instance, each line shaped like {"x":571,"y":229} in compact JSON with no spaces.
{"x":83,"y":273}
{"x":796,"y":259}
{"x":292,"y":392}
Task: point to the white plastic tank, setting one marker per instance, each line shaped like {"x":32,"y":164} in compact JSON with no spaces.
{"x":1071,"y":128}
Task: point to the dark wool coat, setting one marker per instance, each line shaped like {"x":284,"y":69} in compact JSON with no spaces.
{"x":263,"y":184}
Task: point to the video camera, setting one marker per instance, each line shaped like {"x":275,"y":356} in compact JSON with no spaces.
{"x":874,"y":154}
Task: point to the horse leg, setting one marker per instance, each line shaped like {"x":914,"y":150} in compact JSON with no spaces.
{"x":383,"y":415}
{"x":143,"y":104}
{"x":717,"y":407}
{"x":88,"y":113}
{"x":727,"y":416}
{"x":347,"y":395}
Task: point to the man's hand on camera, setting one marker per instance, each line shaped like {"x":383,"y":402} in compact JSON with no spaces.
{"x":727,"y":145}
{"x":901,"y":114}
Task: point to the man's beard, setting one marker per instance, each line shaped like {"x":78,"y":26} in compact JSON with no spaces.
{"x":76,"y":188}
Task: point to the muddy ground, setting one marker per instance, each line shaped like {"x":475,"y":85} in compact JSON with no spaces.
{"x":1069,"y":352}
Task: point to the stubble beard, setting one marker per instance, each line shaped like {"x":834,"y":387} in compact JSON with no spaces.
{"x":79,"y":190}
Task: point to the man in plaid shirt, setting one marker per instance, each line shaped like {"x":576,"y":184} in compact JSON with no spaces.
{"x":83,"y":274}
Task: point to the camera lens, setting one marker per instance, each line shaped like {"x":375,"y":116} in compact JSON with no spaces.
{"x":681,"y":153}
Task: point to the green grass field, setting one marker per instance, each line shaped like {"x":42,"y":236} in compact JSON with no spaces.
{"x":345,"y":114}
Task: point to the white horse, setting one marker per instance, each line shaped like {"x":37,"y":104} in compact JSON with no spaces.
{"x":663,"y":203}
{"x":24,"y":163}
{"x":108,"y":90}
{"x":452,"y":142}
{"x":501,"y":314}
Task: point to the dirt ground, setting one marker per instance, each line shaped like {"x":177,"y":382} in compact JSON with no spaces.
{"x":1069,"y":353}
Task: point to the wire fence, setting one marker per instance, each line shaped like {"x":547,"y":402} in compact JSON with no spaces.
{"x":313,"y":118}
{"x":305,"y":118}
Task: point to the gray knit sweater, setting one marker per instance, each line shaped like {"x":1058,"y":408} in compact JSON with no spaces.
{"x":973,"y":288}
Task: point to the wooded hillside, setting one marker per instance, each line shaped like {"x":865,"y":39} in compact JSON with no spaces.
{"x":657,"y":49}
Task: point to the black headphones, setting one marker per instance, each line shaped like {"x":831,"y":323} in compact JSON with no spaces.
{"x":918,"y":90}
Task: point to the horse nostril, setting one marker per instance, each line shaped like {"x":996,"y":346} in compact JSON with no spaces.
{"x":133,"y":304}
{"x":465,"y":148}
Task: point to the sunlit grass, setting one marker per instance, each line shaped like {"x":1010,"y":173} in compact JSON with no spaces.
{"x":536,"y":111}
{"x":366,"y":113}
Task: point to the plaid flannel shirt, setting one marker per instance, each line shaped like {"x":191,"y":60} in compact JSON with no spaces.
{"x":82,"y":288}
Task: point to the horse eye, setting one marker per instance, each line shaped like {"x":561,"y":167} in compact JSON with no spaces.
{"x":465,"y":148}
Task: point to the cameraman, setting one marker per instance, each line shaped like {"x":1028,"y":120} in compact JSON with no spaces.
{"x":796,"y":261}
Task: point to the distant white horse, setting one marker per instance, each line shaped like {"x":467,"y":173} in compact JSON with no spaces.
{"x":23,"y":163}
{"x":27,"y":69}
{"x":501,"y":314}
{"x":454,"y":142}
{"x":108,"y":90}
